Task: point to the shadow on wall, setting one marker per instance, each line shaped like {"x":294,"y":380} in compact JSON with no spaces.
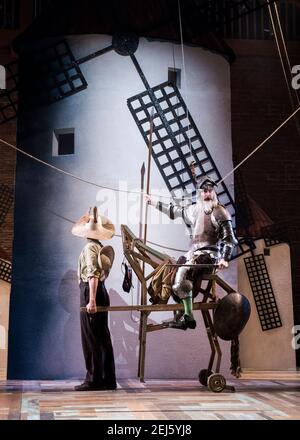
{"x":72,"y":357}
{"x":49,"y":341}
{"x":162,"y":361}
{"x":124,"y":331}
{"x":124,"y":328}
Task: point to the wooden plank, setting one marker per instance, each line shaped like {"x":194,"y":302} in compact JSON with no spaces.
{"x":224,"y":285}
{"x":143,"y":258}
{"x":154,"y":308}
{"x":142,"y":351}
{"x":128,"y":234}
{"x":153,"y":327}
{"x":220,"y":282}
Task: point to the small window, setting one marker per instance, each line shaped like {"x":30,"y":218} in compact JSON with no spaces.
{"x":267,"y":252}
{"x":174,"y":76}
{"x":63,"y":142}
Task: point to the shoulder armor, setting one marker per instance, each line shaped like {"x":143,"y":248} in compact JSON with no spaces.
{"x":221,"y":214}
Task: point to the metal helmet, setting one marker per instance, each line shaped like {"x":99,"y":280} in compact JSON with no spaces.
{"x":205,"y":181}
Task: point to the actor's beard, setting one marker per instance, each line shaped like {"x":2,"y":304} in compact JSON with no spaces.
{"x":207,"y":205}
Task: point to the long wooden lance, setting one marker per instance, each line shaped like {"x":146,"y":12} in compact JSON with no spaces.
{"x":144,"y":314}
{"x":148,"y":173}
{"x":142,"y":200}
{"x":143,"y":169}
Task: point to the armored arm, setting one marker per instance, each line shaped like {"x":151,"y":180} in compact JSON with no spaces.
{"x":228,"y":239}
{"x":226,"y":233}
{"x":172,"y":211}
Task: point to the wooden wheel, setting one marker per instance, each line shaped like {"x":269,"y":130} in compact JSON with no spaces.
{"x":216,"y":383}
{"x":203,"y":376}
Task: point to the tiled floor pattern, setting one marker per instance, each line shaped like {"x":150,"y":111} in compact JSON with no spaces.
{"x":258,"y":399}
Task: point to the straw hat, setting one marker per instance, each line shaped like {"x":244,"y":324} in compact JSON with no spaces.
{"x":94,"y":226}
{"x":106,"y":257}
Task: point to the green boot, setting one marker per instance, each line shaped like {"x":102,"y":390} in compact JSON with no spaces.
{"x":188,"y":305}
{"x":187,"y":320}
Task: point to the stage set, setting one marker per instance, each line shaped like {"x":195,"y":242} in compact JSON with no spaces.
{"x":149,"y":252}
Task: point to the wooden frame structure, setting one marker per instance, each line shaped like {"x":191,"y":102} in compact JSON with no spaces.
{"x":138,"y":256}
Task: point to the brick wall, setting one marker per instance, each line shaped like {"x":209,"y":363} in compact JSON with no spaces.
{"x":7,"y":165}
{"x":260,"y":103}
{"x":8,"y":130}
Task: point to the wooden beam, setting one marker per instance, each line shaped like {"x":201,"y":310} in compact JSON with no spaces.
{"x":223,"y":284}
{"x":154,"y":308}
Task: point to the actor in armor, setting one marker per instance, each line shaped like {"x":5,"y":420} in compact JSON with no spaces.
{"x":212,"y":242}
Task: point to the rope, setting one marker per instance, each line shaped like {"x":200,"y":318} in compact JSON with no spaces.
{"x":73,"y":175}
{"x":187,"y":115}
{"x":169,"y":248}
{"x":279,"y":52}
{"x":177,"y":100}
{"x":284,"y":46}
{"x":139,"y":192}
{"x":184,"y":74}
{"x":286,"y":79}
{"x":160,"y":245}
{"x":260,"y":145}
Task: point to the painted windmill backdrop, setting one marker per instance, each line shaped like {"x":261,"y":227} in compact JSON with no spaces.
{"x":55,"y":74}
{"x":58,"y":75}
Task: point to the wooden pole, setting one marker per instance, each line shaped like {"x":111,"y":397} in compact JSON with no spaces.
{"x":142,"y":200}
{"x":144,"y":314}
{"x":148,"y":174}
{"x":141,"y":224}
{"x":154,"y":308}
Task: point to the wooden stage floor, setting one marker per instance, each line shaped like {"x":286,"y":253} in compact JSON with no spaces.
{"x":257,"y":397}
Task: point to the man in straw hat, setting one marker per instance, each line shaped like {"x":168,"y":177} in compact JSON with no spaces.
{"x":95,"y":262}
{"x":212,"y":242}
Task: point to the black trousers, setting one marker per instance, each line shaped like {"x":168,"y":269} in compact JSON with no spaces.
{"x":96,"y":341}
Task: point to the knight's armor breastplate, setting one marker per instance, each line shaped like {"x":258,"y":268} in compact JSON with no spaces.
{"x":207,"y":230}
{"x":204,"y":232}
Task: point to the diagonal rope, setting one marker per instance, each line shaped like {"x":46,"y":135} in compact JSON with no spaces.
{"x":280,"y":53}
{"x":260,"y":145}
{"x":139,"y":192}
{"x":67,"y":173}
{"x":284,"y":46}
{"x":184,"y":75}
